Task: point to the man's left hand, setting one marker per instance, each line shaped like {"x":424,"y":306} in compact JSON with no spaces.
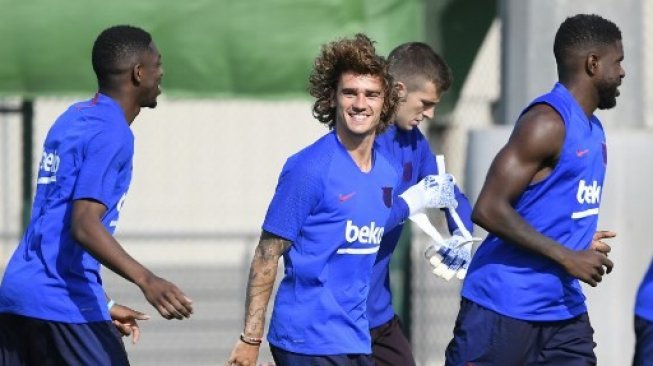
{"x":597,"y":243}
{"x":125,"y":319}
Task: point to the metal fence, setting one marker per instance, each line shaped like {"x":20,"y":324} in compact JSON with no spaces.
{"x":216,"y":281}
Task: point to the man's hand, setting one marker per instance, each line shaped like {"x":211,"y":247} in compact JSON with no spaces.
{"x":243,"y":354}
{"x":166,"y":298}
{"x":450,"y":258}
{"x":262,"y":275}
{"x":125,"y":319}
{"x":600,"y":246}
{"x":434,"y":191}
{"x":587,"y":265}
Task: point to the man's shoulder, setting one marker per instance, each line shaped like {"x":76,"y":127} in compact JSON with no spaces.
{"x":324,"y":145}
{"x":313,"y":158}
{"x":558,"y":104}
{"x":394,"y":138}
{"x":100,"y":110}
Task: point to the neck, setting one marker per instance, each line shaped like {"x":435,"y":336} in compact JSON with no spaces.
{"x":359,"y":148}
{"x":127,"y":103}
{"x":586,"y":96}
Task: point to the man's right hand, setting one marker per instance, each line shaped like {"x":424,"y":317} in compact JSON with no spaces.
{"x":243,"y":354}
{"x":587,"y":265}
{"x":166,"y":298}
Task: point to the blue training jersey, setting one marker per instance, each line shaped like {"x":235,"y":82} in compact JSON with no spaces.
{"x":564,"y":206}
{"x":87,"y":154}
{"x":411,"y":155}
{"x":644,"y":300}
{"x":334,"y":215}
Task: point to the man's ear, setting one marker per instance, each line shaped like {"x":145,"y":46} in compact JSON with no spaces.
{"x":137,"y":73}
{"x":402,"y":90}
{"x":592,"y":64}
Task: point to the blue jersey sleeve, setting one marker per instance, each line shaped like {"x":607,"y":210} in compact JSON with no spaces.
{"x":464,"y":210}
{"x":104,"y":155}
{"x":298,"y":192}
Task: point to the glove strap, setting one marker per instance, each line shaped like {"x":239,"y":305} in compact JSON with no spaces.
{"x":439,"y":160}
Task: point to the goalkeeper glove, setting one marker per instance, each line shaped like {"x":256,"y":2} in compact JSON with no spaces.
{"x":434,"y":191}
{"x":450,"y":258}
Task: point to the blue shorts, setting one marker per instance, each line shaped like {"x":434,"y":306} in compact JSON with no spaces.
{"x":483,"y":337}
{"x":643,"y":342}
{"x":28,"y":341}
{"x":285,"y":358}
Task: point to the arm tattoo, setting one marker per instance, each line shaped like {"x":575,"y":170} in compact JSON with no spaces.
{"x":262,"y":275}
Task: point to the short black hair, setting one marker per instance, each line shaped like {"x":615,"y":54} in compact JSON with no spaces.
{"x":114,"y":46}
{"x":413,"y":62}
{"x":581,"y":32}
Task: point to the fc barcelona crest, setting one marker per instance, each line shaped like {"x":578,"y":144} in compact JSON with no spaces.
{"x":408,"y":171}
{"x":387,"y":196}
{"x":604,"y":151}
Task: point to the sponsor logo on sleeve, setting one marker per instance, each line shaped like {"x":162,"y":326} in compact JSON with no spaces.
{"x":48,"y":167}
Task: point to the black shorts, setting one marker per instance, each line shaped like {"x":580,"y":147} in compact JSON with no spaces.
{"x":28,"y":341}
{"x":286,"y":358}
{"x":390,"y":347}
{"x":483,"y":337}
{"x":643,"y":342}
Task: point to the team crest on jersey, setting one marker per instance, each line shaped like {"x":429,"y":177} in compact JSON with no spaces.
{"x":408,"y":171}
{"x":387,"y":196}
{"x":604,"y":152}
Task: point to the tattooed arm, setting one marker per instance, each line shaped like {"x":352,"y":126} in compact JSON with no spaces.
{"x":262,"y":275}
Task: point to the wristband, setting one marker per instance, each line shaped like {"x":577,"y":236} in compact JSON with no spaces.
{"x":250,"y":340}
{"x":110,"y":304}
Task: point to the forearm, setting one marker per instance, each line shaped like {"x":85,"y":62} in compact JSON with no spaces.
{"x":464,"y":211}
{"x":89,"y":232}
{"x":262,"y":275}
{"x":503,"y":221}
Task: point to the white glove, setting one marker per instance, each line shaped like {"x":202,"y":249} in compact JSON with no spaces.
{"x":451,"y":257}
{"x":434,"y":191}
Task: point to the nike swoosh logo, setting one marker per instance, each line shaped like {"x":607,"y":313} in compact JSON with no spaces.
{"x":580,"y":153}
{"x":345,"y":197}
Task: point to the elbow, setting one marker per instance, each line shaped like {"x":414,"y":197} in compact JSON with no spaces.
{"x":482,"y":216}
{"x":78,"y":230}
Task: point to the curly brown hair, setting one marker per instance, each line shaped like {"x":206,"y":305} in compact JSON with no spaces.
{"x":355,"y":55}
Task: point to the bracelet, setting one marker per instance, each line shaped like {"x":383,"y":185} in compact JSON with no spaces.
{"x":250,"y":340}
{"x":110,"y":304}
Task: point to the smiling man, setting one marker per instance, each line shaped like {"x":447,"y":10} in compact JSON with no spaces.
{"x":331,"y":207}
{"x":326,"y":219}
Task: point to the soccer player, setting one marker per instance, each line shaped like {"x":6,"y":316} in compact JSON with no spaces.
{"x":53,"y":309}
{"x":522,"y":302}
{"x":328,"y":214}
{"x":421,"y":77}
{"x":644,"y":321}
